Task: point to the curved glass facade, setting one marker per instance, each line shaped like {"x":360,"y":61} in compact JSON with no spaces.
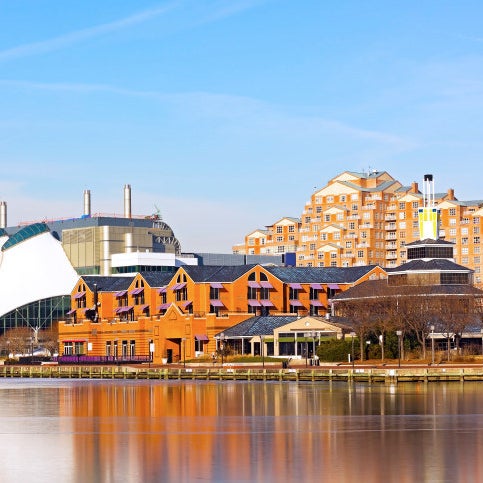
{"x":24,"y":234}
{"x":40,"y":313}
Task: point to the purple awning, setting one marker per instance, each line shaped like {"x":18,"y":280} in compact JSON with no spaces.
{"x":265,"y":284}
{"x":316,"y":286}
{"x":333,"y":286}
{"x":164,"y":306}
{"x":266,"y":303}
{"x":78,"y":295}
{"x":121,"y":293}
{"x":179,"y":286}
{"x":201,"y":337}
{"x":186,"y":304}
{"x":295,"y":286}
{"x":253,"y":284}
{"x":254,"y":303}
{"x":316,"y":303}
{"x":136,"y":291}
{"x":121,"y":310}
{"x":216,"y":285}
{"x":144,"y":307}
{"x":162,"y":290}
{"x":70,"y":312}
{"x":216,"y":303}
{"x":296,"y":303}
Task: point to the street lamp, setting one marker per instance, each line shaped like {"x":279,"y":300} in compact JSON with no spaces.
{"x":432,"y":345}
{"x":222,"y":346}
{"x":261,"y":350}
{"x":368,"y":343}
{"x":399,"y":334}
{"x":184,"y":351}
{"x":352,"y":334}
{"x":313,"y":347}
{"x":482,"y":342}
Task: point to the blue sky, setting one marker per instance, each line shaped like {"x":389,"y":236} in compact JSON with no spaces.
{"x":228,"y":114}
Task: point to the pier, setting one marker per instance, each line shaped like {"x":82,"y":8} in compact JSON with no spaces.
{"x":347,"y":374}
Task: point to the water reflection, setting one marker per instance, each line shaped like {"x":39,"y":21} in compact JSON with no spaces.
{"x":103,"y":431}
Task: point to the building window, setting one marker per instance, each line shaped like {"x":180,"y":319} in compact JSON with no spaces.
{"x":327,"y":218}
{"x":354,"y":207}
{"x":415,"y":204}
{"x":476,"y":239}
{"x":360,"y":253}
{"x":333,"y":254}
{"x":330,"y":199}
{"x":68,"y":348}
{"x":452,"y":212}
{"x":291,"y":229}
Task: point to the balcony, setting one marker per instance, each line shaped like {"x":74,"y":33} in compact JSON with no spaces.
{"x":391,"y":256}
{"x":366,"y":225}
{"x":391,"y":246}
{"x":390,"y":226}
{"x":369,"y":207}
{"x":391,"y":236}
{"x":390,"y":217}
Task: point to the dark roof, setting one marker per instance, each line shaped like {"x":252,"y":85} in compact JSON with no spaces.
{"x":429,"y":241}
{"x":435,"y":264}
{"x":258,"y":325}
{"x":108,"y":284}
{"x":216,"y":273}
{"x":320,"y":274}
{"x":158,"y":279}
{"x":380,"y":288}
{"x":25,"y":233}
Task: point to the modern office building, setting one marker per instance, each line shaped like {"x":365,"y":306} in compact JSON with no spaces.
{"x":368,"y":218}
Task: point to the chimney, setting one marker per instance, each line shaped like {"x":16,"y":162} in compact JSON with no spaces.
{"x":127,"y":201}
{"x":87,"y":203}
{"x":451,"y":194}
{"x":3,"y":214}
{"x":414,"y":187}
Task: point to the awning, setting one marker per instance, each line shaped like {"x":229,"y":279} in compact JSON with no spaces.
{"x":118,"y":309}
{"x":216,"y":285}
{"x":316,"y":286}
{"x":78,"y":295}
{"x":253,"y":284}
{"x":295,"y":286}
{"x":333,"y":286}
{"x":266,"y":303}
{"x":316,"y":303}
{"x":254,"y":303}
{"x":216,"y":303}
{"x":164,"y":306}
{"x":187,"y":304}
{"x":121,"y":293}
{"x":136,"y":291}
{"x":162,"y":290}
{"x":266,"y":285}
{"x":296,"y":303}
{"x":143,"y":307}
{"x":201,"y":337}
{"x":121,"y":310}
{"x":179,"y":286}
{"x":70,"y":312}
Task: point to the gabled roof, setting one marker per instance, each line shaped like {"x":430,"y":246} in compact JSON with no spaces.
{"x":107,"y":284}
{"x":158,"y":279}
{"x":382,"y":187}
{"x":259,"y":325}
{"x":320,"y":274}
{"x":216,"y":273}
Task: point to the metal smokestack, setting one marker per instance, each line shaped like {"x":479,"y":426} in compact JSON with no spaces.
{"x":127,"y":201}
{"x":87,"y":202}
{"x":3,"y":214}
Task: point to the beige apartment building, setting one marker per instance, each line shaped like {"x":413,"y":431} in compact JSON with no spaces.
{"x":368,"y":218}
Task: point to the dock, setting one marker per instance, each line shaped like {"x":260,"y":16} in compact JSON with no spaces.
{"x":346,"y":374}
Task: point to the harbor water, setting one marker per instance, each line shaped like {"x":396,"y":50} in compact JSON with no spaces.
{"x":229,"y":431}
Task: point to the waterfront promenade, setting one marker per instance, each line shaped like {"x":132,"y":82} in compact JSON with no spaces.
{"x":348,"y":373}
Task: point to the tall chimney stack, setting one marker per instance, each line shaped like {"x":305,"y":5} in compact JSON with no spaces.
{"x":87,"y":202}
{"x":3,"y":214}
{"x":127,"y":201}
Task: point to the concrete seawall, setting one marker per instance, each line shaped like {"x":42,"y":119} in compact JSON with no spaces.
{"x":367,"y":375}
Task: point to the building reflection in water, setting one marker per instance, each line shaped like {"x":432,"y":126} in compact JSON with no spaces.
{"x":242,"y":431}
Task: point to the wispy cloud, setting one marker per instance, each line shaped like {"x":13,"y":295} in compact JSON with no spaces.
{"x":65,"y":40}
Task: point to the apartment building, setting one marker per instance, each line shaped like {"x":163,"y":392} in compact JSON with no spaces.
{"x":368,"y":218}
